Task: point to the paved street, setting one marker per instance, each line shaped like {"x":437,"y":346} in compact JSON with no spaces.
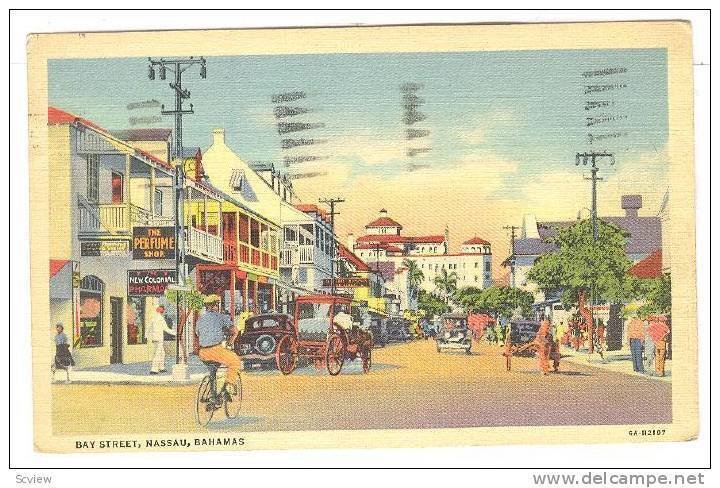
{"x":410,"y":386}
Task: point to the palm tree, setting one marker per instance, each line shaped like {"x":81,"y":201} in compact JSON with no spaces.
{"x":446,"y":283}
{"x":415,"y":276}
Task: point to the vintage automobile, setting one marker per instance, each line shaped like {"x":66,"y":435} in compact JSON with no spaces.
{"x":398,"y":329}
{"x":258,"y":342}
{"x":378,"y":328}
{"x":325,"y":332}
{"x":454,"y":333}
{"x":522,"y":332}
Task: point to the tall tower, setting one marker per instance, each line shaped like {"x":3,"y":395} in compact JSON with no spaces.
{"x":447,"y":239}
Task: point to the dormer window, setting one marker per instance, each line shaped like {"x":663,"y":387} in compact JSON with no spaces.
{"x":237,"y":180}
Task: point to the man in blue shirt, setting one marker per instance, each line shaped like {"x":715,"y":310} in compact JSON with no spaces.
{"x":213,"y":328}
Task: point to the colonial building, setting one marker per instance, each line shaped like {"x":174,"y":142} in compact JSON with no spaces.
{"x":385,"y":247}
{"x":644,"y":238}
{"x":643,"y":247}
{"x":302,"y":233}
{"x":112,"y":238}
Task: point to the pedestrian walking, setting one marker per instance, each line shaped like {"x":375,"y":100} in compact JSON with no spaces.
{"x":543,"y":344}
{"x":156,"y":335}
{"x":659,"y":330}
{"x":63,"y":357}
{"x":649,"y":347}
{"x":636,"y":335}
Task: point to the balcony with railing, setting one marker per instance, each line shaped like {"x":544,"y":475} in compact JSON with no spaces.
{"x":294,"y":255}
{"x":115,"y":218}
{"x":204,"y":245}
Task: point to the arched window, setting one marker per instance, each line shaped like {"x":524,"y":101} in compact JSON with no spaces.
{"x":92,"y":294}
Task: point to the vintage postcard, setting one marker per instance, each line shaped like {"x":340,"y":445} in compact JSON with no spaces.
{"x":362,"y":237}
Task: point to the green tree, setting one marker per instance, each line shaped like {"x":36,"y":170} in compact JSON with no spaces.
{"x":446,"y":283}
{"x":657,"y":295}
{"x":188,"y":301}
{"x":432,"y":304}
{"x":582,"y":266}
{"x":498,"y":301}
{"x":415,"y":277}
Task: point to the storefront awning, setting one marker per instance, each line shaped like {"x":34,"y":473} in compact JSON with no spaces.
{"x":61,"y":285}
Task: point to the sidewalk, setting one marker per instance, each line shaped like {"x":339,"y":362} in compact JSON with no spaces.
{"x":134,"y":374}
{"x":617,"y":361}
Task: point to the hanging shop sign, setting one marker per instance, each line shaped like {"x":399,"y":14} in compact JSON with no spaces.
{"x":347,"y":282}
{"x":150,"y":282}
{"x":104,"y":248}
{"x":153,"y":243}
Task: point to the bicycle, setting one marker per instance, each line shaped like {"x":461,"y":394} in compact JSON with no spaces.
{"x":209,"y":399}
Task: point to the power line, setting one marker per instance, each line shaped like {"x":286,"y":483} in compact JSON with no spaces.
{"x":332,"y":202}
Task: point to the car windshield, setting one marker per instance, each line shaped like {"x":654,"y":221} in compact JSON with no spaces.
{"x":265,"y":323}
{"x":454,"y":324}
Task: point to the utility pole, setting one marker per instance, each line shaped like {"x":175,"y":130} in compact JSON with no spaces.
{"x":178,"y":67}
{"x":591,"y":158}
{"x":512,"y":229}
{"x":333,"y":250}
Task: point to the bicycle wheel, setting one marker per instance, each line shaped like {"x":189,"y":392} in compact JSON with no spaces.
{"x":233,"y":402}
{"x":203,"y":415}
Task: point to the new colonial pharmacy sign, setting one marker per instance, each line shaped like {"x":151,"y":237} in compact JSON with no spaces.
{"x":150,"y":282}
{"x":153,"y":243}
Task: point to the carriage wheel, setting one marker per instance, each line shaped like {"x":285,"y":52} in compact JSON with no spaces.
{"x":335,"y":355}
{"x":366,"y":357}
{"x":287,"y":354}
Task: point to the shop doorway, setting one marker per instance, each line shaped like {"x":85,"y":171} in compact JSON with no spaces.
{"x":116,"y":332}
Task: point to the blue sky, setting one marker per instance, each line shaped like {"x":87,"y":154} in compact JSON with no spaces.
{"x":516,"y":115}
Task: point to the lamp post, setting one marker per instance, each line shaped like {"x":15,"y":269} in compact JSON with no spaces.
{"x":178,"y":66}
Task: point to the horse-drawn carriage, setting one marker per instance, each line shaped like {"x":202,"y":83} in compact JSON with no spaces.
{"x":325,"y":333}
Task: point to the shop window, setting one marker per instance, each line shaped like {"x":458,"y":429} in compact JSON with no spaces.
{"x":302,"y":275}
{"x":93,"y":179}
{"x":91,"y":313}
{"x":135,"y":314}
{"x":158,"y":210}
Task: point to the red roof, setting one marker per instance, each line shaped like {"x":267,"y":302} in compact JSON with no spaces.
{"x":384,"y":222}
{"x":391,"y":248}
{"x":650,"y":267}
{"x":57,"y":116}
{"x":476,"y":240}
{"x":312,"y":208}
{"x":383,"y":238}
{"x":56,"y":265}
{"x":427,"y":239}
{"x":376,"y":245}
{"x":348,"y":255}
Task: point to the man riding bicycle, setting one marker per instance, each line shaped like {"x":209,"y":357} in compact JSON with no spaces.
{"x":213,"y":328}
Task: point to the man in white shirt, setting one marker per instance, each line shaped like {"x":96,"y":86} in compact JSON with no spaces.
{"x":155,"y":333}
